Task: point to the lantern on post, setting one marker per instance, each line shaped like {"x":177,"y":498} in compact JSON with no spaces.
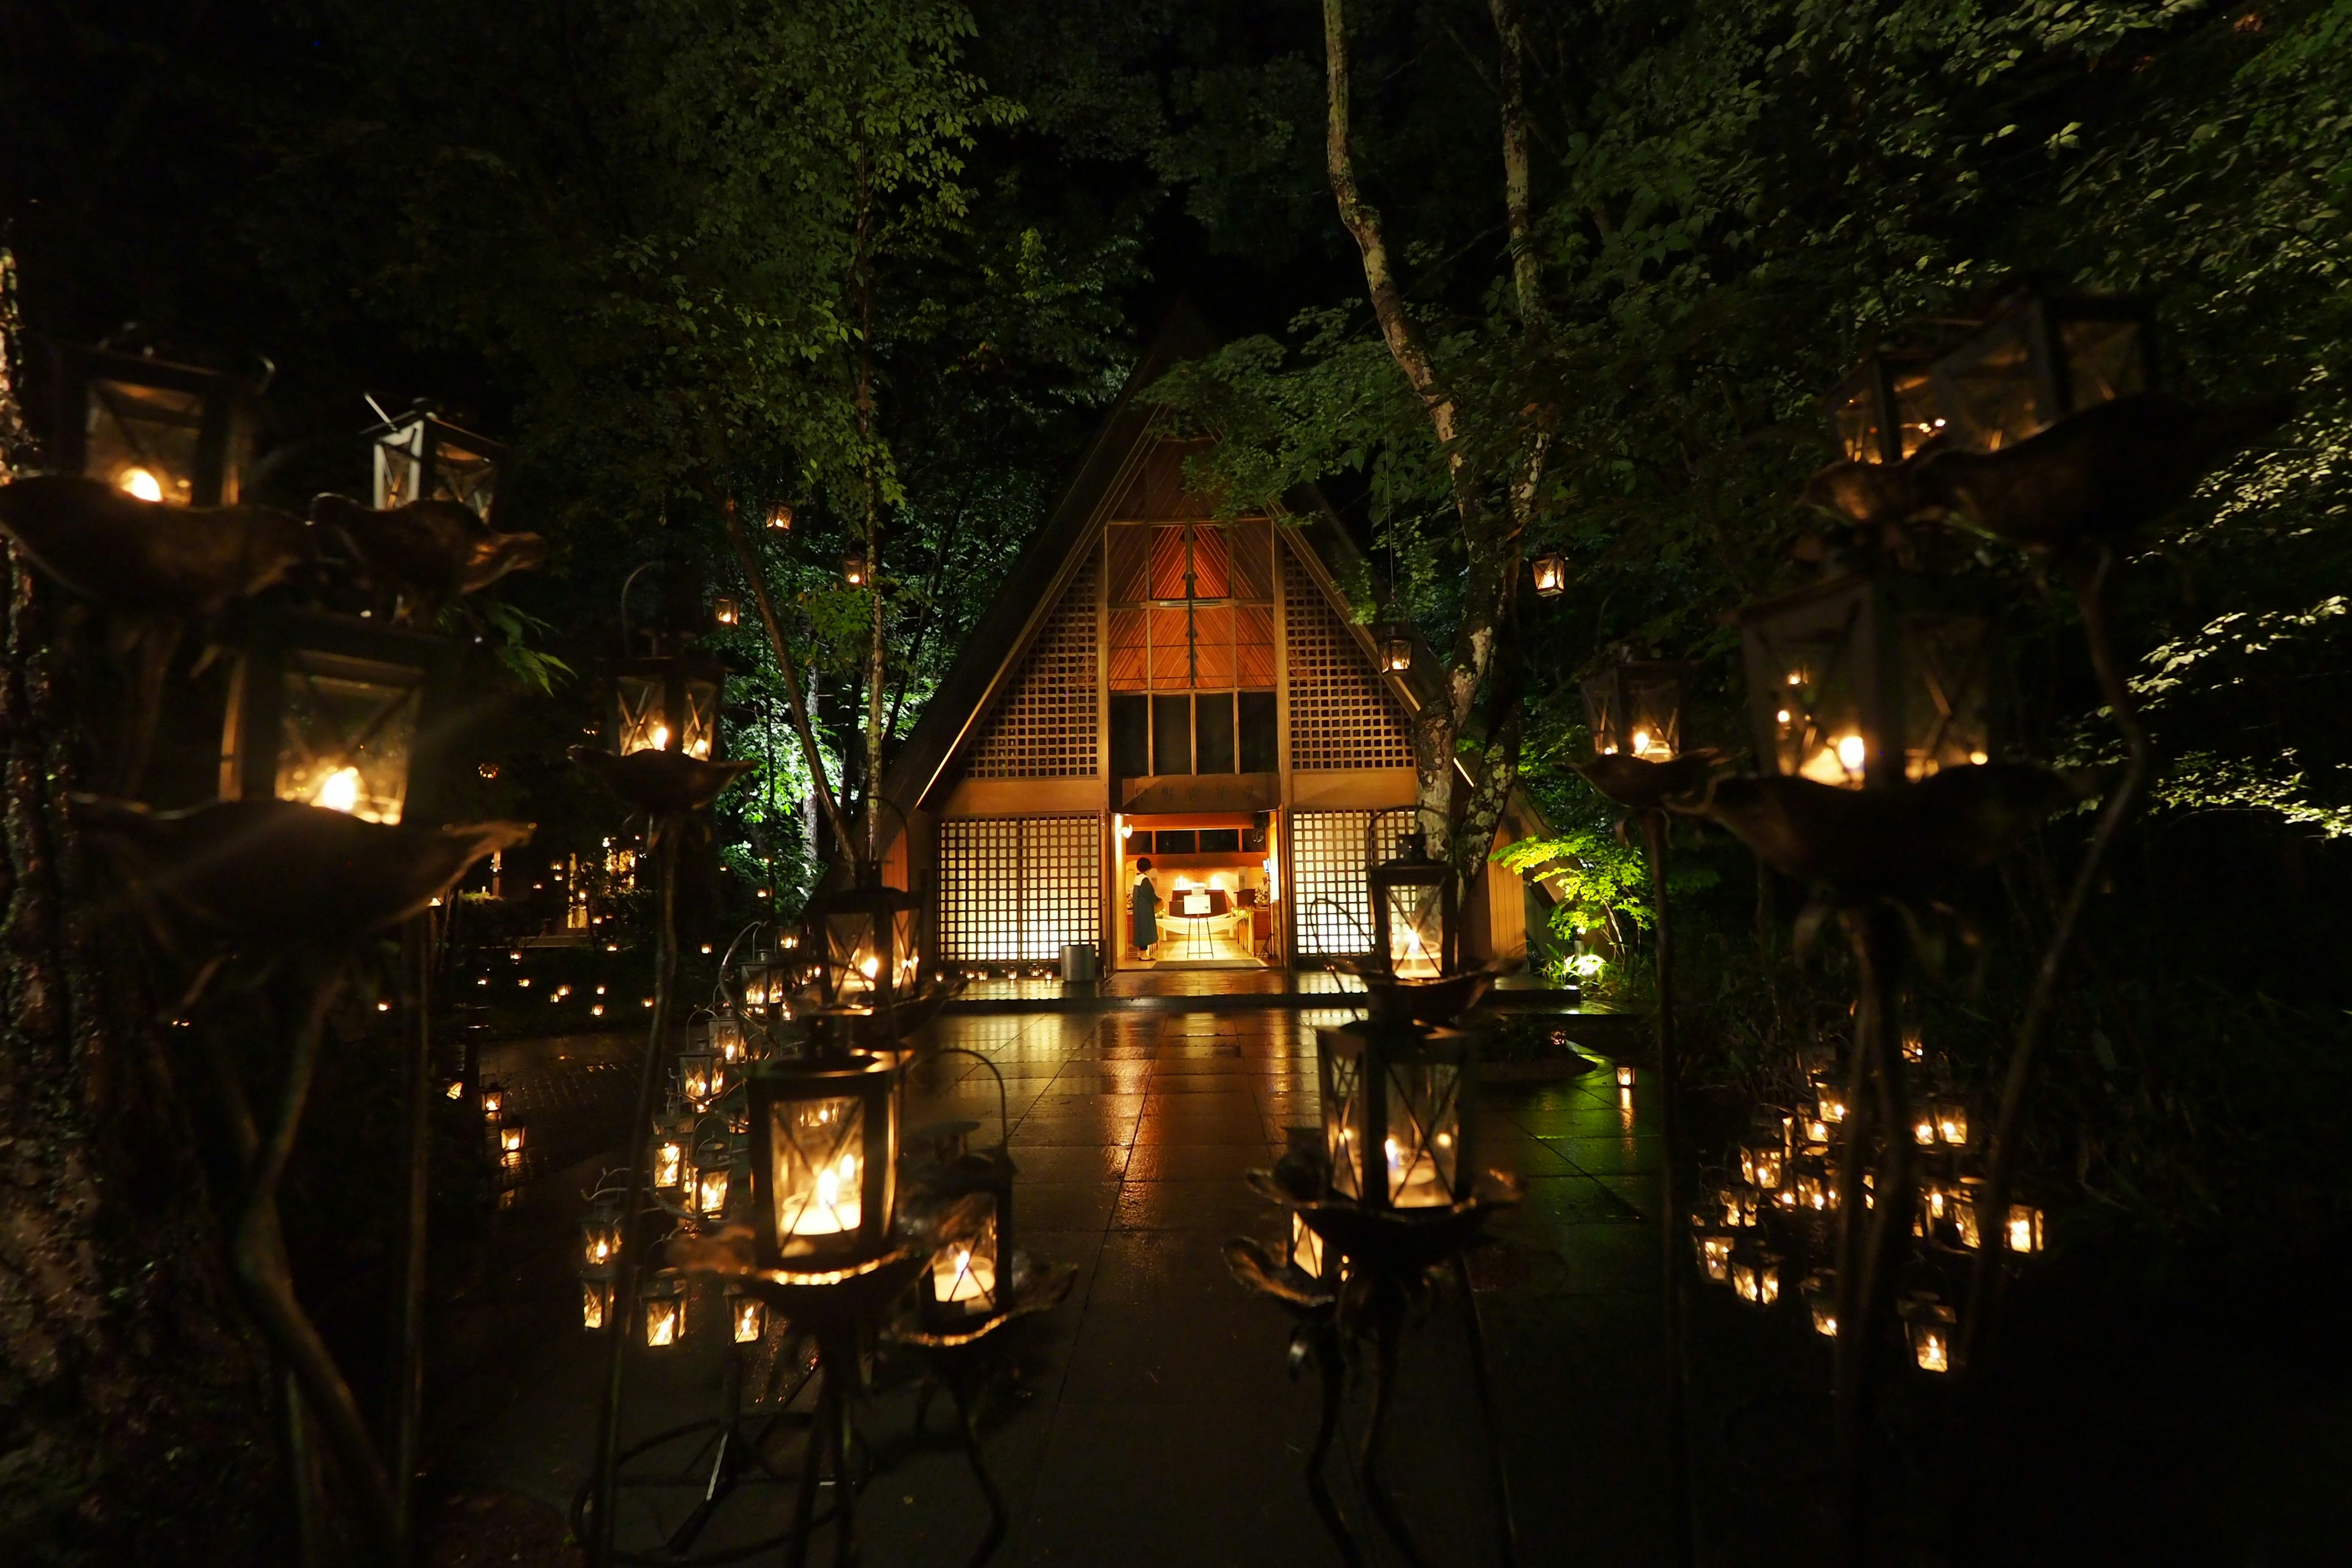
{"x":1414,"y":912}
{"x":1868,"y":680}
{"x":600,"y":1237}
{"x":153,"y":429}
{"x":865,"y":935}
{"x":1398,"y":1110}
{"x":671,"y":1157}
{"x":2040,"y":357}
{"x":824,"y":1142}
{"x":327,"y":710}
{"x":698,"y":1080}
{"x":1885,"y":408}
{"x":421,"y":457}
{"x":1550,"y":572}
{"x":1634,"y":708}
{"x":664,"y":1302}
{"x":669,"y":702}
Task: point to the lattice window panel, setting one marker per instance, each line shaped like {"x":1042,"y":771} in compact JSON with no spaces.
{"x":1014,"y":888}
{"x":1330,"y":883}
{"x":1340,"y":714}
{"x":1043,"y":728}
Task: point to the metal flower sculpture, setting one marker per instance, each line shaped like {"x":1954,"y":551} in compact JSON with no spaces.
{"x":661,"y":784}
{"x":1646,"y":785}
{"x":429,"y":552}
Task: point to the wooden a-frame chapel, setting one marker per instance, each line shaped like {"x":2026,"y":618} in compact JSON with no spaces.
{"x":1152,"y":684}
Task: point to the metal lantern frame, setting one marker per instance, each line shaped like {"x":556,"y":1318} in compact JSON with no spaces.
{"x":1870,"y":679}
{"x":315,"y":697}
{"x":1408,"y":1091}
{"x":669,"y":702}
{"x":1549,"y":571}
{"x":191,"y":429}
{"x":419,"y":455}
{"x":970,"y":1195}
{"x":1634,"y":708}
{"x":867,"y":922}
{"x":1424,"y":886}
{"x":2040,"y":357}
{"x":1393,"y":642}
{"x":1887,"y":408}
{"x":791,"y":1138}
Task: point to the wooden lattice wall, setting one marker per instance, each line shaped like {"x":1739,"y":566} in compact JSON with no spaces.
{"x":1044,"y":725}
{"x":1017,"y":887}
{"x":1331,"y":854}
{"x":1342,"y":716}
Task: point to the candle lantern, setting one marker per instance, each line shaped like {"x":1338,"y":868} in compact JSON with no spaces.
{"x":713,"y":1177}
{"x":2025,"y":1228}
{"x":1759,"y":1162}
{"x":780,"y":517}
{"x":1886,"y":409}
{"x":1551,"y":574}
{"x":600,"y":1237}
{"x":767,"y":986}
{"x":1307,"y":1254}
{"x":2040,"y":357}
{"x":493,"y":1099}
{"x":1398,"y":1107}
{"x":1929,"y":1325}
{"x":727,"y":1039}
{"x":854,"y":569}
{"x":971,"y":1193}
{"x":669,"y":702}
{"x":1634,"y":708}
{"x":153,"y":429}
{"x":1816,"y":1190}
{"x":1828,"y":1100}
{"x":1966,"y":1200}
{"x":1820,"y":1302}
{"x":1923,"y":1126}
{"x":664,"y":1302}
{"x":511,"y":1133}
{"x":1414,"y":914}
{"x":1952,"y":1123}
{"x":420,"y":457}
{"x":748,"y":1316}
{"x":1866,"y":679}
{"x":1756,"y":1276}
{"x":866,"y":936}
{"x":326,"y":710}
{"x":1393,"y":640}
{"x":1713,"y":1249}
{"x":824,"y":1141}
{"x":1737,"y":1204}
{"x":723,"y":611}
{"x":669,"y":1164}
{"x":698,"y":1079}
{"x":595,"y":1299}
{"x":1814,"y":1126}
{"x":1624,"y":1076}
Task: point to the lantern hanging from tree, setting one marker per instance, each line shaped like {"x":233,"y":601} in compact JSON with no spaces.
{"x":1550,"y":572}
{"x":153,"y":429}
{"x":1397,"y":1112}
{"x":1393,"y":640}
{"x":1867,"y":680}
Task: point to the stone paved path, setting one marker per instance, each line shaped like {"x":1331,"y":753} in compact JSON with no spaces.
{"x":1153,"y":1420}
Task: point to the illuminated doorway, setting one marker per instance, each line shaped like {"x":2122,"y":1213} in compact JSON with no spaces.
{"x":1219,"y":888}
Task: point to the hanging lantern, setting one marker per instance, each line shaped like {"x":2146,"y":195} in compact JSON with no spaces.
{"x":1929,"y":1325}
{"x":698,"y":1079}
{"x":1966,"y":1201}
{"x":1820,"y":1302}
{"x":854,"y":569}
{"x":1713,"y":1249}
{"x":747,"y":1315}
{"x":664,"y":1303}
{"x":780,"y":517}
{"x":512,"y":1134}
{"x":1867,"y":678}
{"x":2025,"y":1228}
{"x":1886,"y":409}
{"x":493,"y":1099}
{"x":824,"y":1142}
{"x":713,"y":1177}
{"x":728,"y":1042}
{"x":669,"y":702}
{"x":1398,"y":1102}
{"x":1814,"y":1126}
{"x":1550,"y":575}
{"x":1759,"y":1162}
{"x":1952,"y":1123}
{"x":866,"y":934}
{"x":326,"y":710}
{"x":970,"y":1195}
{"x":1756,"y":1276}
{"x":1634,"y":708}
{"x":2040,"y":357}
{"x":596,"y":1300}
{"x":1923,"y":1127}
{"x":1737,"y":1205}
{"x":1393,"y":640}
{"x":669,"y":1162}
{"x":723,"y":610}
{"x":1414,"y":912}
{"x":159,"y":431}
{"x":419,"y":456}
{"x":600,"y":1237}
{"x":1815,"y":1190}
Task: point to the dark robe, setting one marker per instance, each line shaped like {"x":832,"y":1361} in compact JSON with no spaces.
{"x":1145,"y":903}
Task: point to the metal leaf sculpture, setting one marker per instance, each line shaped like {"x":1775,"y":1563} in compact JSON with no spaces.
{"x":661,"y":784}
{"x":146,"y":558}
{"x":429,"y":552}
{"x":1907,"y":842}
{"x":1646,"y":785}
{"x":277,"y":872}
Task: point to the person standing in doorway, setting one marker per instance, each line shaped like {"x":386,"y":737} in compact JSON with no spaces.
{"x":1143,"y":902}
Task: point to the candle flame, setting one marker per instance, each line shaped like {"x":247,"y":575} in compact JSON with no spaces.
{"x":140,"y":483}
{"x":339,"y":790}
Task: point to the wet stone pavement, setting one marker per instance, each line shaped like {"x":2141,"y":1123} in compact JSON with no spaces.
{"x":1152,"y":1418}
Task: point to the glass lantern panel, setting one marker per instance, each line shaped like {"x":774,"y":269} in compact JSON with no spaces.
{"x":1816,"y":681}
{"x":1946,"y":700}
{"x":856,"y":962}
{"x":644,"y":715}
{"x":668,"y":1162}
{"x":710,"y":1186}
{"x":144,"y":440}
{"x":399,"y":466}
{"x":1601,"y":713}
{"x":2105,"y":359}
{"x":466,"y":477}
{"x":664,"y":1318}
{"x":1424,"y":1142}
{"x":964,"y":1269}
{"x":1853,"y":417}
{"x":750,"y":1315}
{"x":1996,"y":401}
{"x":727,"y":1037}
{"x":1416,"y":922}
{"x":1306,"y":1246}
{"x":1341,"y":1117}
{"x":595,"y":1301}
{"x":701,"y":727}
{"x":819,"y":1179}
{"x":346,"y":727}
{"x":904,"y":959}
{"x":1654,"y":720}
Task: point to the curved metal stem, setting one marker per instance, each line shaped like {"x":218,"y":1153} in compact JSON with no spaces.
{"x":1331,"y":1369}
{"x":624,"y":1280}
{"x":1389,"y":1312}
{"x":1507,"y":1526}
{"x":1679,"y":1538}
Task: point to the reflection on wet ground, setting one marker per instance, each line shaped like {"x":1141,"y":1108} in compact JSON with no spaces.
{"x":1152,"y":1418}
